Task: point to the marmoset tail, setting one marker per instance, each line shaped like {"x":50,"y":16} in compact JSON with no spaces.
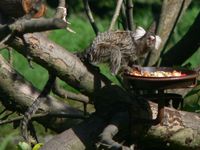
{"x":120,"y":48}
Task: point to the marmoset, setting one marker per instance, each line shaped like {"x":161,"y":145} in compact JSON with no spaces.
{"x":121,"y":48}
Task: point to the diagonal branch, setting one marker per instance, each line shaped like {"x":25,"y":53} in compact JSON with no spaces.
{"x":68,"y":67}
{"x":116,"y":14}
{"x":124,"y":17}
{"x":129,"y":14}
{"x":69,"y":95}
{"x":90,"y":17}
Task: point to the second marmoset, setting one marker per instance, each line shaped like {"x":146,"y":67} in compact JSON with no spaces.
{"x":120,"y":48}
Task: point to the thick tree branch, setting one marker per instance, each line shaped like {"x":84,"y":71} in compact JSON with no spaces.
{"x":37,"y":25}
{"x":67,"y":66}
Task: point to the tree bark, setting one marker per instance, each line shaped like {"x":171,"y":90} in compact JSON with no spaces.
{"x":51,"y":56}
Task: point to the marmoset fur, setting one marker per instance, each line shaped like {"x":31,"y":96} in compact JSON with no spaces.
{"x":121,"y":48}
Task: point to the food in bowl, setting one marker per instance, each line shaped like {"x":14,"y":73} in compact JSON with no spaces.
{"x":140,"y":73}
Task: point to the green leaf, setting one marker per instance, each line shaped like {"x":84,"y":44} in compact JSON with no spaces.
{"x":38,"y":146}
{"x":23,"y":146}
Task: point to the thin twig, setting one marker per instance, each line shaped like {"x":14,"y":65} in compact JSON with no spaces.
{"x":7,"y":115}
{"x":4,"y":35}
{"x":35,"y":116}
{"x":2,"y":46}
{"x":3,"y":111}
{"x":4,"y":40}
{"x":60,"y":12}
{"x":90,"y":16}
{"x":116,"y":14}
{"x":124,"y":18}
{"x":33,"y":131}
{"x":10,"y":57}
{"x":129,"y":14}
{"x":67,"y":94}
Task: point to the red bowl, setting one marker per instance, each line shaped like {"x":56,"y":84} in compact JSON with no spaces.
{"x":188,"y":79}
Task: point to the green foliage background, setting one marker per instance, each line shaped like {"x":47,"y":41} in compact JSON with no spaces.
{"x":103,"y":10}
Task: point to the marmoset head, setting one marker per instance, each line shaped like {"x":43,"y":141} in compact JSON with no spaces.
{"x":153,"y":42}
{"x":146,"y":40}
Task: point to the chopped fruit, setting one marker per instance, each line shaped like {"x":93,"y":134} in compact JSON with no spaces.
{"x":174,"y":73}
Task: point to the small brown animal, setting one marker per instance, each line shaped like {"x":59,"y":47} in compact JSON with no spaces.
{"x":36,"y":8}
{"x":121,"y":48}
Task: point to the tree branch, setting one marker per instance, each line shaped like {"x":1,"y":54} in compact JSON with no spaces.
{"x":90,"y":17}
{"x":61,"y":10}
{"x":37,"y":25}
{"x":68,"y":67}
{"x":116,"y":14}
{"x":67,"y":94}
{"x":129,"y":14}
{"x":124,"y":17}
{"x":35,"y":116}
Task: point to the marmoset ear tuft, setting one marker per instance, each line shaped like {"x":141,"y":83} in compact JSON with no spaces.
{"x":158,"y":42}
{"x":139,"y":32}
